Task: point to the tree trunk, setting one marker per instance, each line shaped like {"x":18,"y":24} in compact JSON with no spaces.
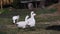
{"x":30,"y":6}
{"x":36,"y":4}
{"x":42,"y":4}
{"x":59,"y":1}
{"x":1,"y":4}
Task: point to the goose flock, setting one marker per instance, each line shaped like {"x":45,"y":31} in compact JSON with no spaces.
{"x":28,"y":21}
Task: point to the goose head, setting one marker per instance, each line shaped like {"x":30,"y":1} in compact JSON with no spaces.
{"x":14,"y":18}
{"x":32,"y":12}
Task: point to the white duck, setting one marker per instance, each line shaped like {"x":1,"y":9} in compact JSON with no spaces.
{"x":31,"y":21}
{"x":22,"y":24}
{"x":31,"y":14}
{"x":14,"y":18}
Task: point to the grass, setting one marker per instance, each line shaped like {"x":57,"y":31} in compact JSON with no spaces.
{"x":48,"y":19}
{"x":45,"y":11}
{"x":3,"y":32}
{"x":4,"y":11}
{"x":6,"y":16}
{"x":5,"y":21}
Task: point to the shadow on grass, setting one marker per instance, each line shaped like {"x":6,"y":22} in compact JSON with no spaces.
{"x":2,"y":32}
{"x":27,"y":29}
{"x":54,"y":27}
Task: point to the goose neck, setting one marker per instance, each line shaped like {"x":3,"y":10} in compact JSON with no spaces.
{"x":32,"y":16}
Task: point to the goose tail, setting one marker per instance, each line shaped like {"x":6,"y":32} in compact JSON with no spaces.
{"x":26,"y":18}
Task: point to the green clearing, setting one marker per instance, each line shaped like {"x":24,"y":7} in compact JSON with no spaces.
{"x":6,"y":19}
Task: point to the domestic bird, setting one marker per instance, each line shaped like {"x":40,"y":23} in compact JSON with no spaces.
{"x":22,"y":24}
{"x":15,"y":18}
{"x":31,"y":20}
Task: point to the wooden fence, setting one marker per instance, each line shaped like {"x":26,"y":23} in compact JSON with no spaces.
{"x":6,"y":2}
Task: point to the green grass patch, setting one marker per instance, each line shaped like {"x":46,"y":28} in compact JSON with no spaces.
{"x":4,"y":11}
{"x":48,"y":19}
{"x":5,"y":21}
{"x":3,"y":32}
{"x":45,"y":11}
{"x":24,"y":12}
{"x":8,"y":21}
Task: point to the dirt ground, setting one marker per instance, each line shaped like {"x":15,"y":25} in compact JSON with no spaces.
{"x":57,"y":6}
{"x":57,"y":13}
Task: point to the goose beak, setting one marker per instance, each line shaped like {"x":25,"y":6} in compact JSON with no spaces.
{"x":34,"y":14}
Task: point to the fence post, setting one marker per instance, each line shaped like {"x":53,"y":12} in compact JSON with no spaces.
{"x":30,"y":6}
{"x":1,"y":4}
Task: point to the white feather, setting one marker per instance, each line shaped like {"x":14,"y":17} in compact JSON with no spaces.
{"x":22,"y":24}
{"x":14,"y":18}
{"x":31,"y":20}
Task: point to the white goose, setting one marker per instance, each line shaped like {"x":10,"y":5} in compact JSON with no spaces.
{"x":14,"y":18}
{"x":31,"y":21}
{"x":31,"y":14}
{"x":22,"y":24}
